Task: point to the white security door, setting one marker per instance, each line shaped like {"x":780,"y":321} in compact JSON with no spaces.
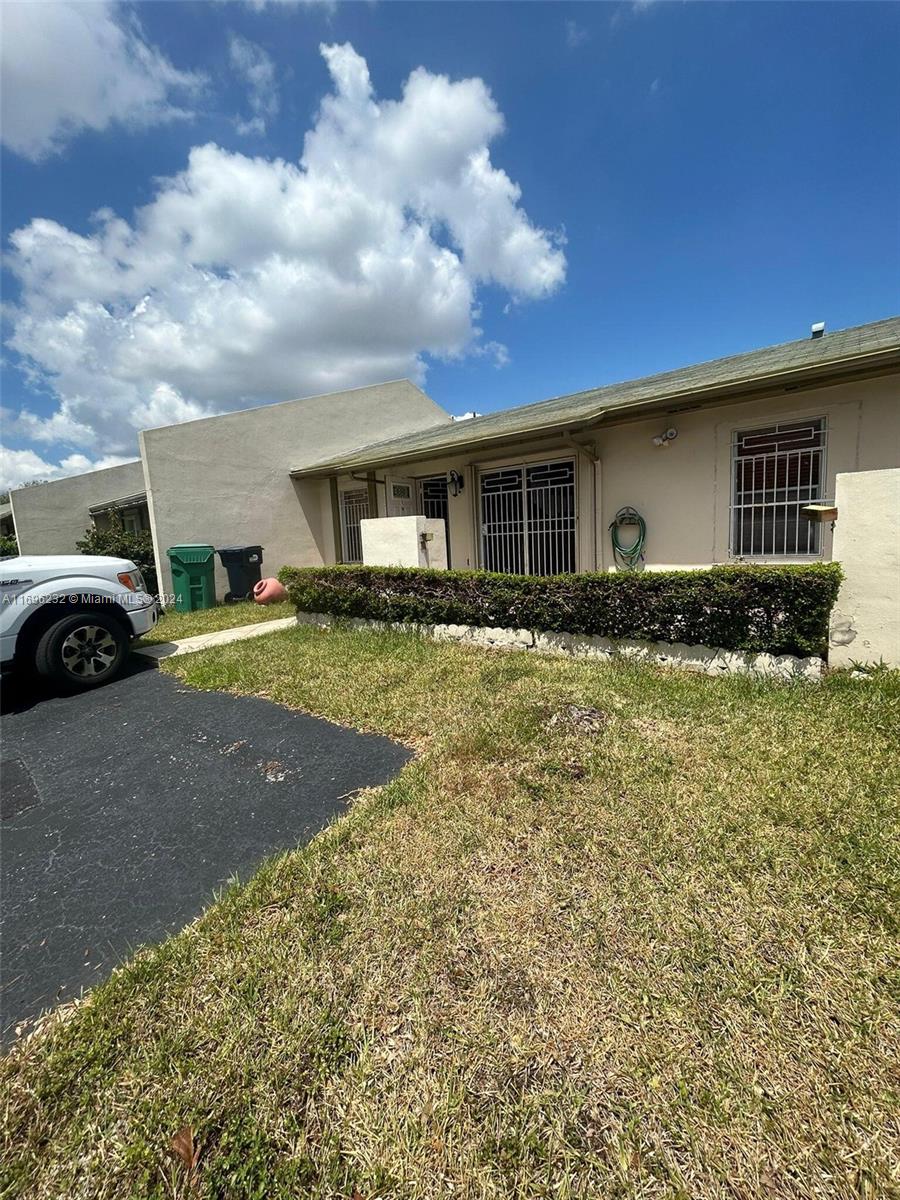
{"x":503,"y":521}
{"x":528,"y":519}
{"x":550,"y":517}
{"x":354,"y":508}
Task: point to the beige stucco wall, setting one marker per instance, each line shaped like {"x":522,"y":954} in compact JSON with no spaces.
{"x":51,"y":517}
{"x":865,"y":624}
{"x":225,"y":480}
{"x":682,"y":490}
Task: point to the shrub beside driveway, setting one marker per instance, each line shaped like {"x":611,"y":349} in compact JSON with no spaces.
{"x":615,"y":932}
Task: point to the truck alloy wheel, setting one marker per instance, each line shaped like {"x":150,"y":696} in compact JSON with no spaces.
{"x":81,"y":651}
{"x":89,"y":650}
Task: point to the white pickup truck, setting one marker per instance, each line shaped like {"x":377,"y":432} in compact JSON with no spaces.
{"x":71,"y":617}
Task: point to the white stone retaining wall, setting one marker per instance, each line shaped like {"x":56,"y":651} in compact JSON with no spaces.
{"x":675,"y":654}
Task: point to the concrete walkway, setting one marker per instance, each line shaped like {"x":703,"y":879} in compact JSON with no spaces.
{"x":220,"y":637}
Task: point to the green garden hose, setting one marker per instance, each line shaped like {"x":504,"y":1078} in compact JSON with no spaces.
{"x":628,"y":556}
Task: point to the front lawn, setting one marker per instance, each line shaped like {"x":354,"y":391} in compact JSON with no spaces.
{"x":616,"y":932}
{"x":174,"y":625}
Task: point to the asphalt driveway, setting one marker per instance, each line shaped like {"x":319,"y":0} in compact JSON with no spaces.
{"x":124,"y":809}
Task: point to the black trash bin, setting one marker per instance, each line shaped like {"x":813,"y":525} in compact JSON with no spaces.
{"x":243,"y":564}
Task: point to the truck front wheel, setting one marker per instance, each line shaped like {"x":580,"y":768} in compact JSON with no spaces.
{"x":81,"y":651}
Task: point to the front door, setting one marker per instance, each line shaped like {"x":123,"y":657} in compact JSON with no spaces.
{"x":401,"y":497}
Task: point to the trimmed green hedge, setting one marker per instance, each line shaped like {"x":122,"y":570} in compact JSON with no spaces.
{"x":781,"y":610}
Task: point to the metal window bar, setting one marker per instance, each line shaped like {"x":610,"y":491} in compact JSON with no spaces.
{"x":434,"y":504}
{"x":354,"y":508}
{"x":775,"y":473}
{"x":528,"y":519}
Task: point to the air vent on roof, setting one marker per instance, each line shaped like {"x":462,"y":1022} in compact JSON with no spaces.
{"x":818,"y":329}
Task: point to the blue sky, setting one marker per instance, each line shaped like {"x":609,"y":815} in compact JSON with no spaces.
{"x":695,"y":180}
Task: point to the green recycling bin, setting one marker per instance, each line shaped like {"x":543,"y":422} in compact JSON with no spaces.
{"x":193,"y":577}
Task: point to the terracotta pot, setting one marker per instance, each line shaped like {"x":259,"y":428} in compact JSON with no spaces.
{"x":269,"y":591}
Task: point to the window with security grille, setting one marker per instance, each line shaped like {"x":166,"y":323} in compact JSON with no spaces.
{"x":775,"y":473}
{"x":354,"y":508}
{"x":434,"y":504}
{"x":528,"y":519}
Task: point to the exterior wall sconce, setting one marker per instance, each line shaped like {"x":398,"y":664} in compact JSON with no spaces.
{"x":455,"y":483}
{"x":663,"y":439}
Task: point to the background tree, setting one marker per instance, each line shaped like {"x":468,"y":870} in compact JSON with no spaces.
{"x":120,"y":542}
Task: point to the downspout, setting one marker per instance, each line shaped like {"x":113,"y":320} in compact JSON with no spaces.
{"x":590,"y":452}
{"x":373,"y":492}
{"x":598,"y":516}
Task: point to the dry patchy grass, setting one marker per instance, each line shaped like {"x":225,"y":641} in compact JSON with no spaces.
{"x":649,"y":952}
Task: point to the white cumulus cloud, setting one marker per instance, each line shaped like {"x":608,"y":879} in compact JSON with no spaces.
{"x":67,"y":66}
{"x":256,"y":68}
{"x":250,"y":280}
{"x":18,"y":467}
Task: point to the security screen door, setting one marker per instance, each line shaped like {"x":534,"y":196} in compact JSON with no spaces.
{"x":354,"y":508}
{"x":528,"y":518}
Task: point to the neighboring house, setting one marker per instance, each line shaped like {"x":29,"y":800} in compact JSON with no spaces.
{"x":226,"y":480}
{"x":52,"y":517}
{"x":759,"y":436}
{"x":7,"y":524}
{"x":132,"y":512}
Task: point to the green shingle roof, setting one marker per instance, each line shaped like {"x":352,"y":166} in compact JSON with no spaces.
{"x":121,"y":502}
{"x":810,"y":359}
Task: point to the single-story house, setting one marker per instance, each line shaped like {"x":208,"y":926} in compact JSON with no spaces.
{"x":719,"y":460}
